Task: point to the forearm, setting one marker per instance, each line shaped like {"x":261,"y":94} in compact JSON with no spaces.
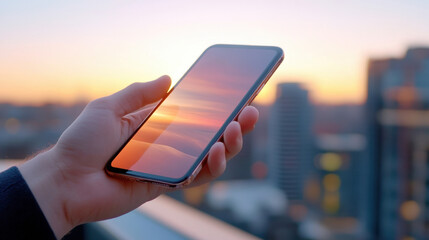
{"x":45,"y":182}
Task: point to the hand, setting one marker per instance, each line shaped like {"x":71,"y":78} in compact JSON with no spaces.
{"x":69,"y":182}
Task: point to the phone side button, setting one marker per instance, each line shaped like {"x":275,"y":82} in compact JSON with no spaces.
{"x":195,"y":173}
{"x":197,"y":170}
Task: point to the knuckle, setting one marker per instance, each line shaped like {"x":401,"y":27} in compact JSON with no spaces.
{"x":103,"y":102}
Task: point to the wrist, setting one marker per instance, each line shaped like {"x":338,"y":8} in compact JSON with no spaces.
{"x":45,"y":180}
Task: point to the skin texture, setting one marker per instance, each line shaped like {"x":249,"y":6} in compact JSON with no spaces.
{"x":68,"y":180}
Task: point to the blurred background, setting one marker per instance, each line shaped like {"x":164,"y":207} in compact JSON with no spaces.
{"x":341,"y":150}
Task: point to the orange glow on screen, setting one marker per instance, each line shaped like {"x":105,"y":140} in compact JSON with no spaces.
{"x":177,"y":133}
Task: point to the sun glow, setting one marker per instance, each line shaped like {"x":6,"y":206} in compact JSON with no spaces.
{"x":68,"y":52}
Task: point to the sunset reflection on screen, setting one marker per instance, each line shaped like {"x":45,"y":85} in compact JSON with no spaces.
{"x":177,"y":133}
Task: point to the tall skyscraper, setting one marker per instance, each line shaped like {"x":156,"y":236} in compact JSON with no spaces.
{"x":398,"y":147}
{"x":290,"y":144}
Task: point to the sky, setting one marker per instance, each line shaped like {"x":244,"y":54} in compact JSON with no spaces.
{"x":68,"y":51}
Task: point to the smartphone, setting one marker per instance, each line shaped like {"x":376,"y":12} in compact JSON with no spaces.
{"x":171,"y":144}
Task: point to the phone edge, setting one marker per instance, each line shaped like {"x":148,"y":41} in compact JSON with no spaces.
{"x":187,"y":179}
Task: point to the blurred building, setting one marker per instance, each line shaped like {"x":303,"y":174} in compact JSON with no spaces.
{"x":338,"y":161}
{"x":398,"y":134}
{"x":290,"y":143}
{"x":338,"y":119}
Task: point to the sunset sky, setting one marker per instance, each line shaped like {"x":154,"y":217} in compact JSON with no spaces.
{"x":58,"y":51}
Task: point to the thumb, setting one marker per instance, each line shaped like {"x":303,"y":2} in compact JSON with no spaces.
{"x":137,"y":95}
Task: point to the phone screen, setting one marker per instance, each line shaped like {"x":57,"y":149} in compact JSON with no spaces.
{"x":180,"y":131}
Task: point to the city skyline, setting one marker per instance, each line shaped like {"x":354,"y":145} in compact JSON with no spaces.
{"x":337,"y":171}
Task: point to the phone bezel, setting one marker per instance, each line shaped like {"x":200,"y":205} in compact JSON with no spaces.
{"x":196,"y":167}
